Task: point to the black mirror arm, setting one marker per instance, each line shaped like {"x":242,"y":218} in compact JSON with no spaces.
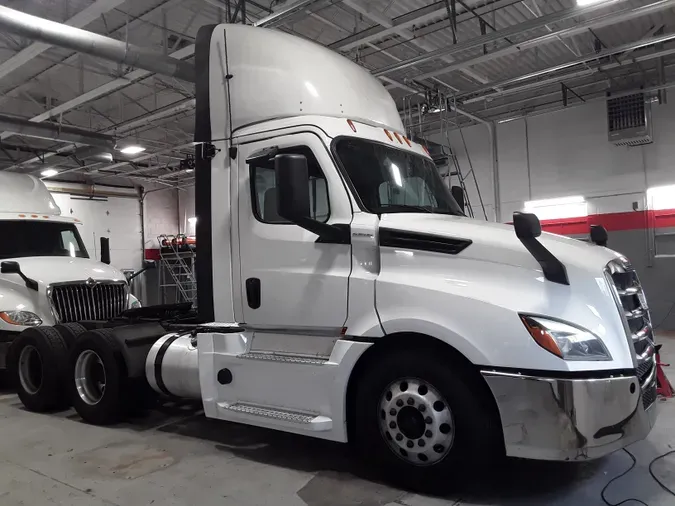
{"x":139,"y":272}
{"x":30,"y":283}
{"x":327,"y":233}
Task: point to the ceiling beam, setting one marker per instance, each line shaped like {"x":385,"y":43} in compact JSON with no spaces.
{"x":619,"y":16}
{"x":532,"y":24}
{"x":556,"y":68}
{"x":406,"y":34}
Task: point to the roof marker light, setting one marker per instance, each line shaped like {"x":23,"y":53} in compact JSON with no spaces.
{"x":22,"y":216}
{"x":388,"y":134}
{"x":351,"y":125}
{"x":398,"y":138}
{"x":426,"y":150}
{"x":407,"y":141}
{"x":33,"y":215}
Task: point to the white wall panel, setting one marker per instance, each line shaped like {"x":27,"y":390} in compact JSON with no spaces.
{"x":186,"y":210}
{"x":113,"y":217}
{"x":160,"y":212}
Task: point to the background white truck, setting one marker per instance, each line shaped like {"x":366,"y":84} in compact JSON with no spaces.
{"x":369,"y":309}
{"x":47,"y":275}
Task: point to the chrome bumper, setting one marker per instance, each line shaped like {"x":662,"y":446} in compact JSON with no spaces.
{"x":569,"y":419}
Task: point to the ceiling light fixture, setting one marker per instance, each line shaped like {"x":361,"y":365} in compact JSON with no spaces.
{"x":589,"y":2}
{"x":49,"y":172}
{"x":132,"y":150}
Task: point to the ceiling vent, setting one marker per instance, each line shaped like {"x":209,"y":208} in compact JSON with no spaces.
{"x":629,"y":120}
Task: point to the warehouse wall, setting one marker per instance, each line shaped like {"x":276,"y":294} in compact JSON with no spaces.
{"x":567,"y":153}
{"x":186,"y":210}
{"x":160,"y":216}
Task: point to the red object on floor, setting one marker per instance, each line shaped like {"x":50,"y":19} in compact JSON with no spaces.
{"x":663,"y":386}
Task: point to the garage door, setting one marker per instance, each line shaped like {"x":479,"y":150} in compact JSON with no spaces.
{"x":117,"y":218}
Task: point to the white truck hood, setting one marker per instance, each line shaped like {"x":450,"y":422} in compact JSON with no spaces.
{"x":496,"y":242}
{"x":48,"y":270}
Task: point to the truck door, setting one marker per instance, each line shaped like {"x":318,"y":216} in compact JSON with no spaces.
{"x":290,"y":283}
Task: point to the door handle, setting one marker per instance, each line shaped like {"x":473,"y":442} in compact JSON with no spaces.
{"x":253,"y":292}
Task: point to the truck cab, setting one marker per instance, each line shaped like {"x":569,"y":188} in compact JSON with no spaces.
{"x":322,"y":224}
{"x":47,"y":275}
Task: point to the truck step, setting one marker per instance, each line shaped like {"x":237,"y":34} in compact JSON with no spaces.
{"x":318,"y":422}
{"x":278,"y":357}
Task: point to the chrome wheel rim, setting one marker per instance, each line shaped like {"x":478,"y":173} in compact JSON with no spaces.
{"x":90,"y":377}
{"x":416,"y":421}
{"x":30,"y":369}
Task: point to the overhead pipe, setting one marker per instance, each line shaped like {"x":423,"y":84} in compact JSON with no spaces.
{"x":52,"y":131}
{"x":597,"y":22}
{"x":584,"y":59}
{"x":82,"y":41}
{"x":533,"y":24}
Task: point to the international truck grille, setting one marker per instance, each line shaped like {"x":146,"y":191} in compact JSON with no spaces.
{"x":636,"y":312}
{"x":88,"y":301}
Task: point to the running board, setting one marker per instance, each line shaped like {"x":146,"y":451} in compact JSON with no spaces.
{"x":278,"y":357}
{"x":308,"y":421}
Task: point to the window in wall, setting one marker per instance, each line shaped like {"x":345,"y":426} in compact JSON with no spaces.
{"x":558,"y":208}
{"x":264,"y":192}
{"x":661,"y":197}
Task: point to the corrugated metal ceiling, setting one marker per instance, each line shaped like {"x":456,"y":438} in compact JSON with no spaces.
{"x":57,"y":75}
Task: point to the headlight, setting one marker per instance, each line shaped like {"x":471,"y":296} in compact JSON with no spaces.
{"x":134,"y":302}
{"x":564,"y":340}
{"x":24,"y":318}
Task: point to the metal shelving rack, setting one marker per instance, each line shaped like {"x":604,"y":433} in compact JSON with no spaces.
{"x":177,"y":275}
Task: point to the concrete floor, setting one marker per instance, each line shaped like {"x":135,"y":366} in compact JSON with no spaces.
{"x":175,"y":456}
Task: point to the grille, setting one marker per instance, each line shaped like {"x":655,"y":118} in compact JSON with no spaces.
{"x":77,"y":301}
{"x":636,"y":312}
{"x":649,"y":395}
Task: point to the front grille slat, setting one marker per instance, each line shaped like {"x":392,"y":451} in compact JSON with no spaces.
{"x":636,"y":313}
{"x":77,"y":301}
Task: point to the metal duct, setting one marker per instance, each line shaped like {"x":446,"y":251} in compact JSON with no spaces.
{"x":82,"y":41}
{"x":55,"y":132}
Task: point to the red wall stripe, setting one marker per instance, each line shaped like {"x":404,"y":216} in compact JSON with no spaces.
{"x":613,"y":222}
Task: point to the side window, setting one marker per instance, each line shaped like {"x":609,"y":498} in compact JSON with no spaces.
{"x":264,"y":192}
{"x":69,"y":243}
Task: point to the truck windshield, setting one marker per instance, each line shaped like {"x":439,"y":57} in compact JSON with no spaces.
{"x":28,"y":238}
{"x":390,"y":180}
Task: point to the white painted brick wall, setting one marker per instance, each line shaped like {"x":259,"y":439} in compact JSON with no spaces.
{"x":160,"y":210}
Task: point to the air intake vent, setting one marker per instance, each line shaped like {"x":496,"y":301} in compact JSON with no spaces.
{"x":629,"y":120}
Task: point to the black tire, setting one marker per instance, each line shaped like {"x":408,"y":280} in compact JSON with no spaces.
{"x":113,"y":404}
{"x":70,"y":332}
{"x":477,"y":430}
{"x":37,"y":364}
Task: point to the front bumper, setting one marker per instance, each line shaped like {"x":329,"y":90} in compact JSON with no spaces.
{"x":6,"y":339}
{"x":571,"y":419}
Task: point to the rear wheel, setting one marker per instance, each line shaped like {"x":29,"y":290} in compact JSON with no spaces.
{"x":70,"y":332}
{"x":423,"y":420}
{"x":98,"y":384}
{"x":37,"y":362}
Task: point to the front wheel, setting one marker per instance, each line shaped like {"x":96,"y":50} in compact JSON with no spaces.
{"x":423,"y":420}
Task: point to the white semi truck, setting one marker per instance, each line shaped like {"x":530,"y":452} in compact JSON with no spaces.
{"x":343,"y":294}
{"x":47,"y":276}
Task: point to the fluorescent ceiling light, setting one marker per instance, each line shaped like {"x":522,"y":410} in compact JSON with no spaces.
{"x":558,"y":208}
{"x":49,"y":172}
{"x":576,"y":199}
{"x":589,"y":2}
{"x":132,"y":150}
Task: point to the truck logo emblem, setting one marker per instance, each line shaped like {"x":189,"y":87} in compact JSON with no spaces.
{"x":91,"y":283}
